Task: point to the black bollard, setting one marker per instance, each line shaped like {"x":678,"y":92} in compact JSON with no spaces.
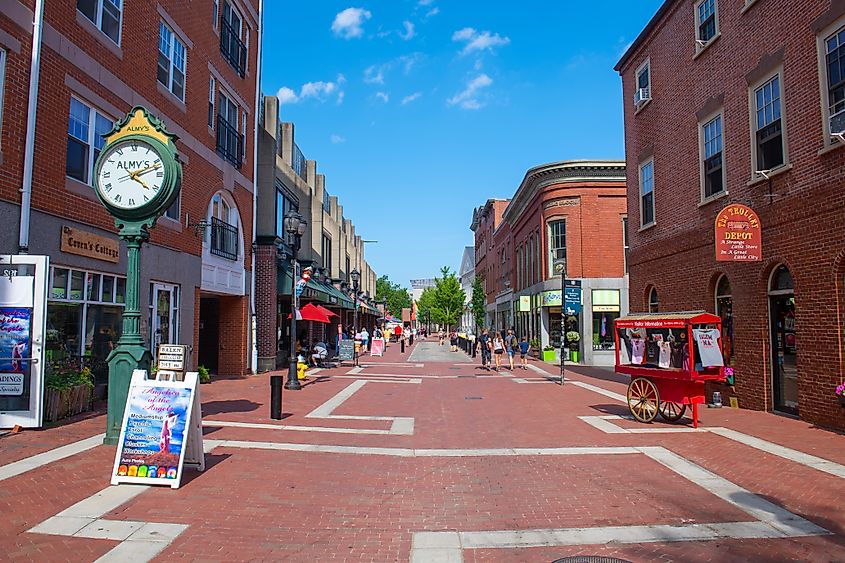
{"x":403,"y":344}
{"x":276,"y":397}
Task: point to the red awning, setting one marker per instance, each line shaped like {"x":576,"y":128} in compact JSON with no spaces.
{"x":312,"y":313}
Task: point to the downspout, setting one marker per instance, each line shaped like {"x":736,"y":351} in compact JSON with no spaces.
{"x":253,"y":316}
{"x":32,"y":114}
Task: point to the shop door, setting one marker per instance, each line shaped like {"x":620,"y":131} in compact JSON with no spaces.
{"x":209,"y":333}
{"x":784,"y":353}
{"x":164,"y":316}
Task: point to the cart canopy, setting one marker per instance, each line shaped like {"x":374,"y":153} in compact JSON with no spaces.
{"x":667,"y":320}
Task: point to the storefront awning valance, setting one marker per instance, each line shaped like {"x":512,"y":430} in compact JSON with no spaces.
{"x":320,"y":291}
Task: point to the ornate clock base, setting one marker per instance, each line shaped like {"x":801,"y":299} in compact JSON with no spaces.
{"x":122,"y":362}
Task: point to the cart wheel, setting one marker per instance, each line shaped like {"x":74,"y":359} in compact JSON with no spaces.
{"x":643,"y":399}
{"x":672,"y":412}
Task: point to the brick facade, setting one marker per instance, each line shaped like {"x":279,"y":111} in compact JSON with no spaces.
{"x":801,"y":208}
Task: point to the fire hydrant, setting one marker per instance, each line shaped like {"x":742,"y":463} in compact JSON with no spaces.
{"x":301,"y":368}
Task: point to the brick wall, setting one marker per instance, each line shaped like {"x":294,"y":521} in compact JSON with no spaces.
{"x":266,"y":294}
{"x":802,"y":224}
{"x":234,"y":316}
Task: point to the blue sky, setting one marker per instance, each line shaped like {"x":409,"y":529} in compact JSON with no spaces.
{"x":417,"y":111}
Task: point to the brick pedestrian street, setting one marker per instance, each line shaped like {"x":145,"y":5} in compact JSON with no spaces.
{"x":408,"y":459}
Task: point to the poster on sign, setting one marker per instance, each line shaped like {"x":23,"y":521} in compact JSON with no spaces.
{"x":15,"y":329}
{"x":160,"y":424}
{"x":377,"y":347}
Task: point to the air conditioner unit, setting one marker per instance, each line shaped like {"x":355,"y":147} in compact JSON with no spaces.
{"x":837,"y":125}
{"x":642,"y":96}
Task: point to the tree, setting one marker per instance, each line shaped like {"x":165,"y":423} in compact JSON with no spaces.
{"x":478,"y":303}
{"x":449,"y":298}
{"x":396,"y":296}
{"x":425,"y":307}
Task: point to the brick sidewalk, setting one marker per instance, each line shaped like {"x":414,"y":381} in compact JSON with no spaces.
{"x":465,"y":468}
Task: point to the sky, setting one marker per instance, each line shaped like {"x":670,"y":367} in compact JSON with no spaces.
{"x":418,"y":111}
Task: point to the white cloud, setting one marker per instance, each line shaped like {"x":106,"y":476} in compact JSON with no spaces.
{"x":375,"y":74}
{"x":478,"y":41}
{"x":348,"y":23}
{"x":337,"y":139}
{"x":432,"y":12}
{"x":319,"y":90}
{"x":383,"y":96}
{"x":413,"y":97}
{"x":425,"y":2}
{"x":408,"y":62}
{"x":468,"y":98}
{"x":409,"y":31}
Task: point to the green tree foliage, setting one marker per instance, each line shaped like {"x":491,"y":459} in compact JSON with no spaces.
{"x":478,"y":304}
{"x":396,"y":296}
{"x":425,"y":307}
{"x":448,"y":298}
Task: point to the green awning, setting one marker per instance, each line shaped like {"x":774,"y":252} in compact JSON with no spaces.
{"x":323,"y":292}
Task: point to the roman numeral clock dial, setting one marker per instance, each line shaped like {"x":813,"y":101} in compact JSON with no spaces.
{"x":131,"y":174}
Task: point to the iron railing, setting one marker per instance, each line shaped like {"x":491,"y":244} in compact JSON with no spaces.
{"x":233,"y":49}
{"x":224,"y":239}
{"x":298,"y":163}
{"x":229,"y":141}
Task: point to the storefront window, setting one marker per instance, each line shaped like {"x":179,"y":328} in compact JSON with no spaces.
{"x":724,"y":308}
{"x":653,"y":303}
{"x":58,"y":287}
{"x":605,"y":312}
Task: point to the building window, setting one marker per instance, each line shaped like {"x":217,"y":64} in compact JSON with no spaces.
{"x":713,"y":169}
{"x":212,"y":87}
{"x":706,"y":19}
{"x":625,"y":245}
{"x":835,"y":73}
{"x":724,"y":308}
{"x":768,"y":126}
{"x":223,"y":234}
{"x":231,"y":43}
{"x":171,"y":61}
{"x":557,"y":244}
{"x":85,"y":131}
{"x":327,"y":254}
{"x":105,"y":14}
{"x":229,"y":139}
{"x":647,"y":193}
{"x":215,"y":14}
{"x":173,"y":211}
{"x":653,"y":302}
{"x":643,"y":85}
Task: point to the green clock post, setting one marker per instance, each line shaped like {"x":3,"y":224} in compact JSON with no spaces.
{"x":137,"y":177}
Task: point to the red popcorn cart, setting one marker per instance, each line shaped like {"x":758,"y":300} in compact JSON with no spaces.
{"x":669,"y":357}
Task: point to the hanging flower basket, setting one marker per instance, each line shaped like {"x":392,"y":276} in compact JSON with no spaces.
{"x":840,"y":394}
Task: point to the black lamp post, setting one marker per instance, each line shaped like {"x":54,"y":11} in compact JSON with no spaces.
{"x":355,"y":276}
{"x":295,"y":227}
{"x":560,"y":268}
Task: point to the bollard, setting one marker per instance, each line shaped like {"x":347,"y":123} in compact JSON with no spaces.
{"x":276,"y":397}
{"x":403,"y":344}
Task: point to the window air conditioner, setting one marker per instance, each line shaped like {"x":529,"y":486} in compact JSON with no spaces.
{"x":643,"y":95}
{"x":837,"y":125}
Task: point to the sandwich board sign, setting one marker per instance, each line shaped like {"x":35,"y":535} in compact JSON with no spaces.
{"x":347,"y":350}
{"x":161,"y":430}
{"x":377,"y":348}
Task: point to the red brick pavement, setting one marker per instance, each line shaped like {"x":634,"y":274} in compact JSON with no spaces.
{"x":297,"y":506}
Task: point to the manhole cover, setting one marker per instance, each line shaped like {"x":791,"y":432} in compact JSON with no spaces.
{"x":473,"y":398}
{"x":590,"y":559}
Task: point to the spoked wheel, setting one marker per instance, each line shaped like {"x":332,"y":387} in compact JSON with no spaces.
{"x":672,"y":412}
{"x":643,"y":399}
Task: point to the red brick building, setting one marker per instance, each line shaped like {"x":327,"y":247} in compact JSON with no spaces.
{"x":741,"y":102}
{"x":577,"y":208}
{"x":195,"y":67}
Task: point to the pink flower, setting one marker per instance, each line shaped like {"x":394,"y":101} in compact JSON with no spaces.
{"x":840,"y":390}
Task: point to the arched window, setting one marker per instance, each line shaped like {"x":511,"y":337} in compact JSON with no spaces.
{"x":223,"y":232}
{"x":782,"y":279}
{"x":653,"y":303}
{"x":724,"y":308}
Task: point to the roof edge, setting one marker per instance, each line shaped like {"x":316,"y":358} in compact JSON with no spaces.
{"x":652,"y":23}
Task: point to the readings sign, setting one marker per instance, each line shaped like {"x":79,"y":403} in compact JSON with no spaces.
{"x":172,"y":357}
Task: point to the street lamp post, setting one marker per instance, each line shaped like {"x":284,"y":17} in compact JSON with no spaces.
{"x":295,"y":227}
{"x":560,"y":268}
{"x":355,"y":276}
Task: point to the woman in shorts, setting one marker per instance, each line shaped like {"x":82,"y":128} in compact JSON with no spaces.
{"x":498,"y":349}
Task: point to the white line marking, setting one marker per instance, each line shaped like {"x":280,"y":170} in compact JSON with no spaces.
{"x":401,"y":425}
{"x":256,"y":425}
{"x":601,"y":391}
{"x":357,"y":369}
{"x":36,"y":461}
{"x":603,"y":423}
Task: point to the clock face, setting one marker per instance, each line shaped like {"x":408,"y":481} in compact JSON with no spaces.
{"x":131,"y":174}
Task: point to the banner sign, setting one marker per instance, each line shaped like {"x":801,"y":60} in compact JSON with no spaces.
{"x":573,"y":300}
{"x":347,"y":350}
{"x":524,"y":304}
{"x":15,"y":334}
{"x":162,"y":421}
{"x":377,"y":347}
{"x":738,"y":235}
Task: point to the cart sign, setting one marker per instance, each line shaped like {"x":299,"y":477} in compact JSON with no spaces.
{"x":738,"y":237}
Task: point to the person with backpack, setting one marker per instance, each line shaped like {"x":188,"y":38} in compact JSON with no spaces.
{"x":498,"y":350}
{"x":485,"y":346}
{"x":511,"y":346}
{"x":523,"y":353}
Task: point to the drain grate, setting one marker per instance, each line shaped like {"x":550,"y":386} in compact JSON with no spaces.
{"x":473,"y":398}
{"x":590,"y":559}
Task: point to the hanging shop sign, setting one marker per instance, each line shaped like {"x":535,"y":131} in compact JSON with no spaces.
{"x":524,"y":304}
{"x":89,"y":245}
{"x":161,"y":431}
{"x":738,"y":235}
{"x":573,"y":300}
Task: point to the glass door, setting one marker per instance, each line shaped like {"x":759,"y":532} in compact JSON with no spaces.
{"x":164,"y":325}
{"x":784,"y":354}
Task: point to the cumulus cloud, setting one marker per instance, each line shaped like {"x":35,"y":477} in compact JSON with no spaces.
{"x":383,"y":96}
{"x":413,"y":97}
{"x":337,"y":139}
{"x":468,"y":98}
{"x":409,"y":32}
{"x":348,"y":24}
{"x":374,"y":74}
{"x":319,"y":90}
{"x":478,"y":41}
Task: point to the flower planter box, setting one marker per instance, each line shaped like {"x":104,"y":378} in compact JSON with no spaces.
{"x":62,"y":403}
{"x":549,"y":355}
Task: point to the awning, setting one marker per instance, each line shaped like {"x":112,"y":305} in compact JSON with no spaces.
{"x":315,"y":290}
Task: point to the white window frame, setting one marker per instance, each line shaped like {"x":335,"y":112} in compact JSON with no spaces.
{"x":550,"y":237}
{"x":821,"y":46}
{"x":642,"y":165}
{"x":720,"y":115}
{"x":216,"y":13}
{"x":645,"y":66}
{"x":701,"y":44}
{"x":171,"y":61}
{"x":93,"y":112}
{"x":3,"y":56}
{"x":752,"y":110}
{"x":99,"y":21}
{"x":626,"y":243}
{"x":212,"y":100}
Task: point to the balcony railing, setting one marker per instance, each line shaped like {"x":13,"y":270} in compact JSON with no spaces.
{"x":224,"y":239}
{"x":233,"y":48}
{"x":229,"y":141}
{"x":298,"y":163}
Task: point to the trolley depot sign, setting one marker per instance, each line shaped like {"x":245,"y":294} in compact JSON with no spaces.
{"x":738,"y":237}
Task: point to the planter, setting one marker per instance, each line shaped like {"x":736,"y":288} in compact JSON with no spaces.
{"x":841,"y":400}
{"x":549,"y":355}
{"x":62,"y":403}
{"x":573,"y":356}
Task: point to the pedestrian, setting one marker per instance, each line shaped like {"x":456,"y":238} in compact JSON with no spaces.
{"x":511,"y":346}
{"x":498,"y":350}
{"x":453,"y":341}
{"x":365,"y":340}
{"x":485,"y":345}
{"x":442,"y":336}
{"x":411,"y":333}
{"x":523,"y":353}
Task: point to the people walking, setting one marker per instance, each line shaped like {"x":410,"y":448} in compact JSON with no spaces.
{"x":498,"y":350}
{"x":523,"y":353}
{"x":485,"y":346}
{"x":453,"y":341}
{"x":511,"y":346}
{"x":365,"y":340}
{"x":442,"y":336}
